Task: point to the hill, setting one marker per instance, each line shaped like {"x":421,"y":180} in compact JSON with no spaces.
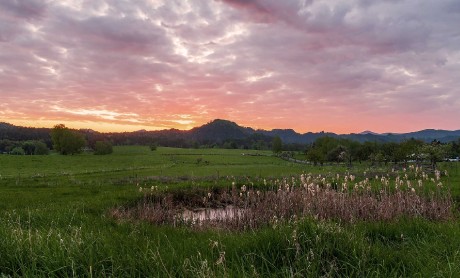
{"x":220,"y":132}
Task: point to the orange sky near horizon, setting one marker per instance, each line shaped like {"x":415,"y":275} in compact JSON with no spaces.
{"x":315,"y":66}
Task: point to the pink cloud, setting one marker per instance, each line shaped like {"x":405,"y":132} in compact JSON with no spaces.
{"x":310,"y":66}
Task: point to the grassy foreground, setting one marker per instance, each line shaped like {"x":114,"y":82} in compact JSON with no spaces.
{"x":54,"y":221}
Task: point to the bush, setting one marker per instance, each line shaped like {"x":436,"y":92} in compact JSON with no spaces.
{"x":153,"y":146}
{"x":41,"y":148}
{"x":103,"y":147}
{"x":18,"y":151}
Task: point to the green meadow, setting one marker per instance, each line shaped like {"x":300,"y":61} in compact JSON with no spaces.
{"x":55,"y":221}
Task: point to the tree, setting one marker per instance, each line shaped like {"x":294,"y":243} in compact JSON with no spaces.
{"x":66,"y":141}
{"x":316,"y":156}
{"x":28,"y":147}
{"x":277,"y":144}
{"x":389,"y":152}
{"x":103,"y":147}
{"x":153,"y":146}
{"x":17,"y":151}
{"x":337,"y":154}
{"x":57,"y":134}
{"x":408,"y":150}
{"x":434,"y":152}
{"x":34,"y":148}
{"x":40,"y":148}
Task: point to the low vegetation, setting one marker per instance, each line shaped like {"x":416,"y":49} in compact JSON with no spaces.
{"x":103,"y":147}
{"x":94,"y":216}
{"x":340,"y":198}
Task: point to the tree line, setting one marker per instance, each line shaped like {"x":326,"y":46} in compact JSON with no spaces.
{"x":338,"y":150}
{"x":63,"y":140}
{"x":324,"y":149}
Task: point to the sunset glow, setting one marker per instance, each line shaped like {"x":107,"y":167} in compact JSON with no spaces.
{"x":338,"y":66}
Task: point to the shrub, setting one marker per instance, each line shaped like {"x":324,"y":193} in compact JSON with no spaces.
{"x":18,"y":151}
{"x":103,"y":147}
{"x":41,"y":148}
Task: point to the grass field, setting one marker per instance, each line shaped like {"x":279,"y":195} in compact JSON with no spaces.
{"x":55,"y":221}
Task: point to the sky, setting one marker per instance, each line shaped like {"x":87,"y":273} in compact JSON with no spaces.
{"x":309,"y":65}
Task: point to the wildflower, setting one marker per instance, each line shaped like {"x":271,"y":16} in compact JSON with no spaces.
{"x":209,"y":194}
{"x":221,"y":259}
{"x":213,"y":243}
{"x":140,"y":188}
{"x":437,"y":174}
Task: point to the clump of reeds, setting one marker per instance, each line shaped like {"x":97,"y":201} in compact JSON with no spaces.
{"x":344,"y":198}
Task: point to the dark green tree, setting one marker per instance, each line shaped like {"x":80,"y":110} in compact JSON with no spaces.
{"x":66,"y":141}
{"x":316,"y":156}
{"x":28,"y":147}
{"x":17,"y":151}
{"x":103,"y":147}
{"x":40,"y":148}
{"x":34,"y":148}
{"x":338,"y":154}
{"x":153,"y":146}
{"x":277,"y":144}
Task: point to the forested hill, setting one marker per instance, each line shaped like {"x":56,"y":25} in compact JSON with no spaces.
{"x":222,"y":133}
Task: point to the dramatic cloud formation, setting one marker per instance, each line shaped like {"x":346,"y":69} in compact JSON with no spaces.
{"x":341,"y":66}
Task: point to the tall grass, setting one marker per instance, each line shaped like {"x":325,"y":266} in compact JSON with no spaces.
{"x":414,"y":194}
{"x":55,"y":219}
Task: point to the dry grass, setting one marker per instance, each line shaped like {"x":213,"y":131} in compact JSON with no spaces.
{"x":411,"y":194}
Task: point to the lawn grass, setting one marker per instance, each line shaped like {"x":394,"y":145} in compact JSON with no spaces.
{"x":55,"y":222}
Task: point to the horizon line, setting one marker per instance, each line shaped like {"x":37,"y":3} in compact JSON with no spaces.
{"x":366,"y":131}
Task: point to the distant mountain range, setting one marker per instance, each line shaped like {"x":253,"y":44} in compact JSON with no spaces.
{"x":219,"y":131}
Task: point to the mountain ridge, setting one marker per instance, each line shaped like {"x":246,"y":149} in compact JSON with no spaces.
{"x":219,"y":131}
